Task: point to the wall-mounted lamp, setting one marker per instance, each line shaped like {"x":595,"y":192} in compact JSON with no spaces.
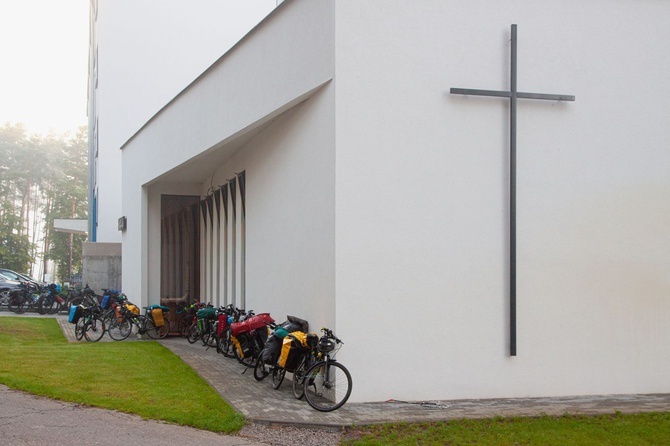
{"x":122,"y":224}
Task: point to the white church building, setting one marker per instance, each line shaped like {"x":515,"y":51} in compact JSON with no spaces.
{"x":475,"y":196}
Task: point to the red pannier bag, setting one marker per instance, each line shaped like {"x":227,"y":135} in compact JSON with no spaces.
{"x":253,"y":323}
{"x":223,"y":323}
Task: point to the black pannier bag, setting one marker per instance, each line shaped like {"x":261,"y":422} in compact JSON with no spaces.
{"x":245,"y":346}
{"x":295,"y":324}
{"x":271,"y":351}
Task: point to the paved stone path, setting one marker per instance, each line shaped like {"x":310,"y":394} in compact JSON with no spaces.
{"x":260,"y":403}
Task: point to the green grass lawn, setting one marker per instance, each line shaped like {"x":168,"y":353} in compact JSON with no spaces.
{"x":615,"y":429}
{"x":142,"y":378}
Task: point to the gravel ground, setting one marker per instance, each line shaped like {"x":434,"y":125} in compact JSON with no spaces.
{"x":29,"y":420}
{"x":290,"y":436}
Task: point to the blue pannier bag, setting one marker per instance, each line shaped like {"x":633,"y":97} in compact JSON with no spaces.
{"x":75,"y":313}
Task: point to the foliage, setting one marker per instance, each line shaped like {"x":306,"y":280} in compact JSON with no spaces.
{"x":41,"y":178}
{"x":142,"y":378}
{"x":611,"y":429}
{"x":15,"y":248}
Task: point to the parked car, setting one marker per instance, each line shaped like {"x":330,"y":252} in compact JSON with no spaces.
{"x":13,"y":275}
{"x":6,"y":287}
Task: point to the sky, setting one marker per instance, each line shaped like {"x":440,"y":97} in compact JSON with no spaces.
{"x":44,"y":64}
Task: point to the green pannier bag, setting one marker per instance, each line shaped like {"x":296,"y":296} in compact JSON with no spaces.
{"x":206,"y":313}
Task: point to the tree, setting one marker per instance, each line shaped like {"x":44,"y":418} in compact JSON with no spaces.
{"x":41,"y":179}
{"x":66,"y":195}
{"x":16,"y":183}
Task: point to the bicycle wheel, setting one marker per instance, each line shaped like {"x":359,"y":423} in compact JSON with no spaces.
{"x":165,"y":329}
{"x":57,"y":306}
{"x":247,"y":361}
{"x":224,"y":346}
{"x":327,"y":385}
{"x":94,"y":328}
{"x":109,"y":318}
{"x":49,"y":305}
{"x":119,"y":330}
{"x":261,"y":371}
{"x":193,"y":333}
{"x":207,"y":335}
{"x":298,"y":377}
{"x":17,"y":304}
{"x":211,"y":340}
{"x":182,"y":327}
{"x":278,"y":377}
{"x":149,"y":327}
{"x":79,"y":328}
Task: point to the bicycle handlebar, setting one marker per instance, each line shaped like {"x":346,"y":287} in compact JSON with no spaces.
{"x":329,"y":333}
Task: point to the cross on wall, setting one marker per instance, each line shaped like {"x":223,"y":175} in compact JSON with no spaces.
{"x":513,"y":95}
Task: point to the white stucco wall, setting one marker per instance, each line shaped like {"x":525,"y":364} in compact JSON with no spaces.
{"x":148,"y":52}
{"x":422,"y":220}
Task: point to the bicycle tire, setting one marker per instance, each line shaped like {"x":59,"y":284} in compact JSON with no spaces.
{"x":247,"y":361}
{"x":79,"y":329}
{"x":165,"y":329}
{"x":17,"y":304}
{"x":56,"y":307}
{"x":48,"y":305}
{"x":261,"y":370}
{"x":149,"y":328}
{"x":109,"y":318}
{"x":207,"y":334}
{"x":193,"y":333}
{"x":225,"y":346}
{"x":278,"y":377}
{"x":119,"y":330}
{"x":326,"y":395}
{"x":298,"y":377}
{"x":211,"y":340}
{"x":42,"y":305}
{"x":94,"y":328}
{"x":182,"y":327}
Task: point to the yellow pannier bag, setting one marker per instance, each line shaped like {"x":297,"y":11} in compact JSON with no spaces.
{"x":292,"y":345}
{"x":157,"y":315}
{"x":237,"y":346}
{"x":133,"y":308}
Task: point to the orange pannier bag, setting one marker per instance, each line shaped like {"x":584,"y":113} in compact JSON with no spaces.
{"x":157,"y":315}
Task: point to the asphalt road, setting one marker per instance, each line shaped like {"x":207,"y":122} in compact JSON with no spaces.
{"x":27,"y":420}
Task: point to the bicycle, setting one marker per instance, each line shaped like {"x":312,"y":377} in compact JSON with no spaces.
{"x":49,"y":301}
{"x":79,"y":296}
{"x":280,"y":356}
{"x":185,"y":317}
{"x":306,"y":360}
{"x":158,"y":314}
{"x":109,"y":302}
{"x":248,"y":337}
{"x":23,"y":300}
{"x":202,"y":326}
{"x":327,"y":383}
{"x":127,"y":316}
{"x":226,"y":317}
{"x":90,"y":324}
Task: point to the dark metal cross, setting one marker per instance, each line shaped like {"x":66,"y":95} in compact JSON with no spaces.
{"x":513,"y":95}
